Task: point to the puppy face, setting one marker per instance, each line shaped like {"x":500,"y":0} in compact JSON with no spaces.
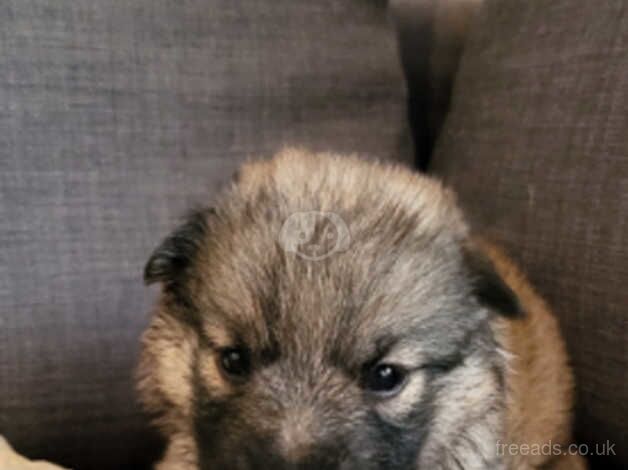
{"x":363,"y":343}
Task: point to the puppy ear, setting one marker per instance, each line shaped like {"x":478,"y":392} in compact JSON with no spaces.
{"x":488,"y":286}
{"x":170,"y":260}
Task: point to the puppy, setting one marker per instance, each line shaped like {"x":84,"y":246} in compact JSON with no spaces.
{"x":333,"y":313}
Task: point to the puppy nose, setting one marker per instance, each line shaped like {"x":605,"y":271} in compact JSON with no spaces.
{"x":296,"y":437}
{"x":319,"y":460}
{"x":301,"y":454}
{"x":302,"y":442}
{"x":311,"y":456}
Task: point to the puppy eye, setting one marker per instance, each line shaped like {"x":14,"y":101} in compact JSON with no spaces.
{"x":384,"y":379}
{"x":235,"y":362}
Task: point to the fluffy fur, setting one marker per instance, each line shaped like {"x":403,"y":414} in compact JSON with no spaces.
{"x":412,"y":287}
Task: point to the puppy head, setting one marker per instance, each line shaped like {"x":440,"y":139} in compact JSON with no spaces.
{"x":324,"y":314}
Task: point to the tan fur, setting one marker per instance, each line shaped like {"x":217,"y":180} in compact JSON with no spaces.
{"x":165,"y":370}
{"x":539,"y":380}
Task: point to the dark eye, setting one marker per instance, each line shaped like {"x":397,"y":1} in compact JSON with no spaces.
{"x":384,"y":378}
{"x":235,"y":362}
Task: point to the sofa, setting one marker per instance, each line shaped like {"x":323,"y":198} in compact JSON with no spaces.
{"x":116,"y":117}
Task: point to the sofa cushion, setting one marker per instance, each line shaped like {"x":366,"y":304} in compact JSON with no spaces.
{"x":536,"y":145}
{"x":114,"y":118}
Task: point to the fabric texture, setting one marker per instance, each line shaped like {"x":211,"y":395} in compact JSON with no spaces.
{"x":432,"y":34}
{"x":536,"y":145}
{"x":116,"y":117}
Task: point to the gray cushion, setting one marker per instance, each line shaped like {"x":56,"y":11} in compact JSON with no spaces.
{"x":537,"y":146}
{"x":114,"y":118}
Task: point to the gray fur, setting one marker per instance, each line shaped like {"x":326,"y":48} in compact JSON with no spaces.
{"x":403,"y":291}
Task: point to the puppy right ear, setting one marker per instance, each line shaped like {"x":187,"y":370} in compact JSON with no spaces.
{"x":171,"y":259}
{"x":488,"y":286}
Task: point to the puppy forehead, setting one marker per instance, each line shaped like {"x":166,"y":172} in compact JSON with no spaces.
{"x":354,"y":302}
{"x":402,"y":251}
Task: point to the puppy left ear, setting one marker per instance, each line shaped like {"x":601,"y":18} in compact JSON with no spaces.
{"x":489,"y":287}
{"x":170,"y":260}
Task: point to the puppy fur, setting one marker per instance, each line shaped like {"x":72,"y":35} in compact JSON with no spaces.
{"x":483,"y":354}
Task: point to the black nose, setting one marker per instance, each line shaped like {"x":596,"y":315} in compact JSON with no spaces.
{"x":324,"y":458}
{"x":254,"y":453}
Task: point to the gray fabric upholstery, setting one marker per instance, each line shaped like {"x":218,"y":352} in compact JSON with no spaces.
{"x":432,"y":35}
{"x":115,"y":117}
{"x":537,"y":146}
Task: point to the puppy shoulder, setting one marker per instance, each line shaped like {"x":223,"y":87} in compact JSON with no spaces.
{"x":537,"y":361}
